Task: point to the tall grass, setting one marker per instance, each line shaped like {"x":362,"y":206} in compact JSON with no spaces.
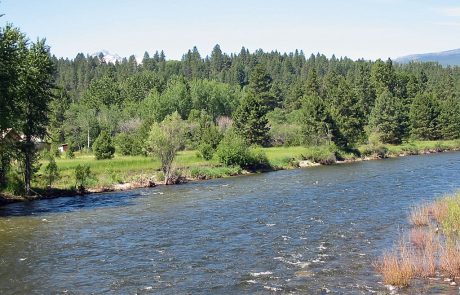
{"x":429,"y":251}
{"x":419,"y":216}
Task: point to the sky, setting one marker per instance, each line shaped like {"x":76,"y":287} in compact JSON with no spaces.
{"x":368,"y":29}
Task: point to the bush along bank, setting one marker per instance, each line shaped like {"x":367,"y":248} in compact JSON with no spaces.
{"x":431,"y":248}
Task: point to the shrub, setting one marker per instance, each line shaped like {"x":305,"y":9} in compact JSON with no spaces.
{"x":51,"y":171}
{"x":103,"y":146}
{"x":379,"y":151}
{"x":82,"y":177}
{"x":214,"y":172}
{"x":69,"y":154}
{"x":325,"y":155}
{"x":206,"y":151}
{"x":15,"y":183}
{"x":128,"y":144}
{"x":258,"y":160}
{"x":233,"y":151}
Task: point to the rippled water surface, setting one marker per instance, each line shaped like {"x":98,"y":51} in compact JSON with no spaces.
{"x":310,"y":231}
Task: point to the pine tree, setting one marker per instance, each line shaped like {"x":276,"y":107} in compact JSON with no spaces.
{"x":250,"y":121}
{"x":449,"y":118}
{"x":315,"y":121}
{"x":103,"y":146}
{"x":348,"y":116}
{"x":250,"y":118}
{"x":424,"y":117}
{"x":387,"y":119}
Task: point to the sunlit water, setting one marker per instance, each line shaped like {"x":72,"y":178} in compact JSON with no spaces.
{"x":309,"y":231}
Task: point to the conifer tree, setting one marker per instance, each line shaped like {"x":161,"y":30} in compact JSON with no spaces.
{"x":386,"y":120}
{"x":250,"y":118}
{"x":424,"y":117}
{"x":315,"y":121}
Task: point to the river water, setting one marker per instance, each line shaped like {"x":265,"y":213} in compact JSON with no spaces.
{"x":306,"y":231}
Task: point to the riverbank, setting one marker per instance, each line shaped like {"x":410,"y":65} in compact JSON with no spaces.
{"x":125,"y":173}
{"x":430,"y":251}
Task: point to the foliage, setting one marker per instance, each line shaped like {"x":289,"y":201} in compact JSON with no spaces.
{"x":233,"y":151}
{"x":250,"y":117}
{"x":165,"y":140}
{"x":51,"y":171}
{"x":103,"y":146}
{"x":83,"y":176}
{"x":424,"y":118}
{"x":214,"y":172}
{"x":69,"y":154}
{"x":387,"y":119}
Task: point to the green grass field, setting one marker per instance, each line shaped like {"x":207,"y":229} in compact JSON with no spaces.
{"x":122,"y":169}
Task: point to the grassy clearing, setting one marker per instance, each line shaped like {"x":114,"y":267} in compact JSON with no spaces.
{"x":122,"y":169}
{"x":431,"y":248}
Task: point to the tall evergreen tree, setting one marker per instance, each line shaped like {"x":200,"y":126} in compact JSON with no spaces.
{"x":386,"y":120}
{"x":449,"y":118}
{"x":250,"y":117}
{"x":316,"y":122}
{"x":424,"y":117}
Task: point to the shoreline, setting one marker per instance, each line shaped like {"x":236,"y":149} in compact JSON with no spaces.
{"x":43,"y":194}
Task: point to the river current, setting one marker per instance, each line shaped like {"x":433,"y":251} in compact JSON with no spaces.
{"x":305,"y":231}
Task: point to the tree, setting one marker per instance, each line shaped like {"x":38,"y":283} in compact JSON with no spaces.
{"x":449,"y":118}
{"x":35,"y":85}
{"x":12,"y":50}
{"x":424,"y":117}
{"x":250,"y":117}
{"x":383,"y":77}
{"x":103,"y":146}
{"x":315,"y":121}
{"x":348,"y":116}
{"x":387,"y":119}
{"x":165,"y":140}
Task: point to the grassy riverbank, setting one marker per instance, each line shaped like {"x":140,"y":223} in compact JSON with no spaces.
{"x":431,"y":249}
{"x":126,"y":172}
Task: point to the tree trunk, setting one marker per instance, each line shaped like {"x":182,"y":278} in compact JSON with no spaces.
{"x":88,"y":139}
{"x":28,"y":163}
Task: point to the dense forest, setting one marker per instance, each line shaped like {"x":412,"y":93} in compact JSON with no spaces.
{"x":271,"y":98}
{"x":262,"y":98}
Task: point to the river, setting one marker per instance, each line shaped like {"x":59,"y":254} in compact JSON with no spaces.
{"x":305,"y":231}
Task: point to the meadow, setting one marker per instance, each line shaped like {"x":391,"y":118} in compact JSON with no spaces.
{"x":125,"y":169}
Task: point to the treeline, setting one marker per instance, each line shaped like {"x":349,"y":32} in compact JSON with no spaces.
{"x":271,"y":98}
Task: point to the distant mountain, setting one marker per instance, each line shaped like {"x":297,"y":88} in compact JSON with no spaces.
{"x":113,"y":57}
{"x":107,"y":56}
{"x":446,"y":58}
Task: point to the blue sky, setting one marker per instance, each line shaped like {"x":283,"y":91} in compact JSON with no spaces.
{"x":356,"y":28}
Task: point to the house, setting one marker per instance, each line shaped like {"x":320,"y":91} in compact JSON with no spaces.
{"x":63,"y":148}
{"x":9,"y":136}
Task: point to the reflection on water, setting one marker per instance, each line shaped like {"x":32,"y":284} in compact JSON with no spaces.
{"x":309,"y":231}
